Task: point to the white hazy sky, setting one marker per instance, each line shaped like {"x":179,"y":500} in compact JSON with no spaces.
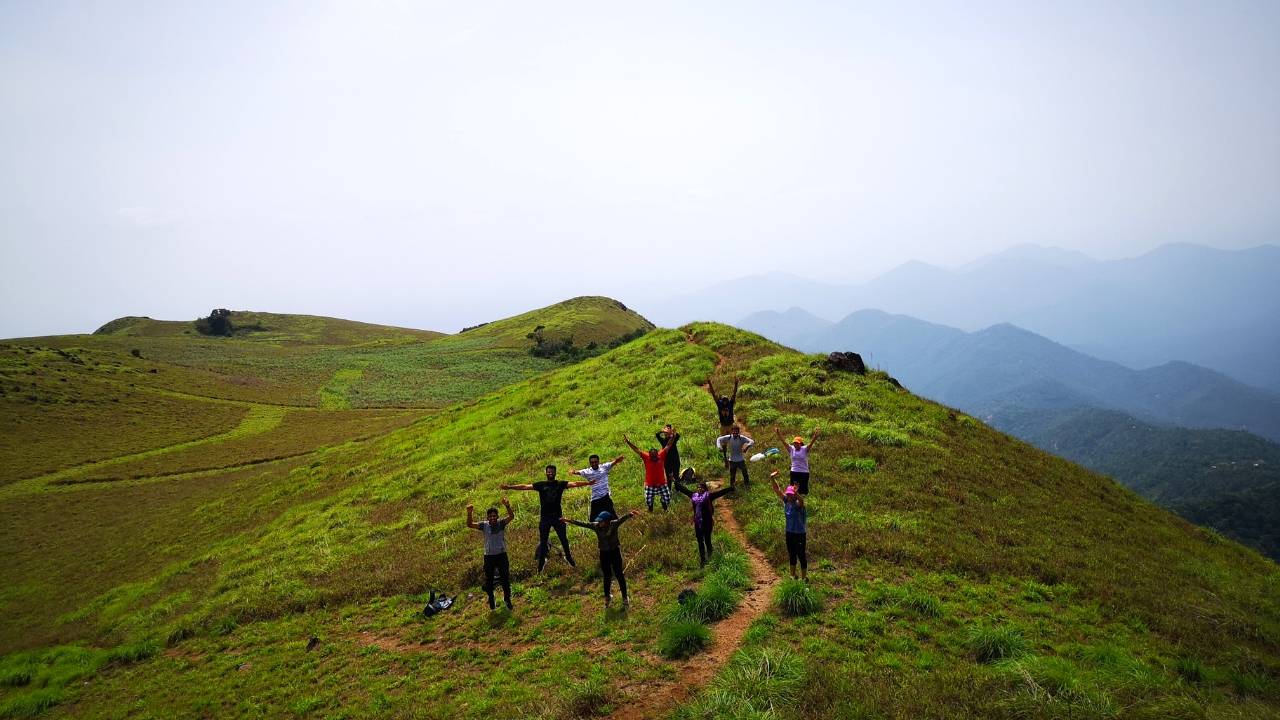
{"x":436,"y":165}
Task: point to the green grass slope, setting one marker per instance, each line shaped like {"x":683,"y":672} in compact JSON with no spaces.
{"x":1228,"y":480}
{"x":273,"y":328}
{"x":957,"y":571}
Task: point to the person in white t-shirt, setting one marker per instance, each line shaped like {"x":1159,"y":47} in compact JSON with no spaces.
{"x":598,"y":475}
{"x":799,"y":459}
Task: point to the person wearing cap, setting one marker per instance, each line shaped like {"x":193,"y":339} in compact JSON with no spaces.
{"x":796,"y":525}
{"x":495,"y":549}
{"x":606,"y":529}
{"x":799,"y":459}
{"x":732,"y":447}
{"x":598,"y":474}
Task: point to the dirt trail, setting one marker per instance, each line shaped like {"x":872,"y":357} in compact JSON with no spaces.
{"x":651,"y":700}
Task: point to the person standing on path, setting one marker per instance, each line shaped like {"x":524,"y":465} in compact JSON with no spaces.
{"x":799,"y":458}
{"x":796,"y":525}
{"x":704,"y":510}
{"x":495,"y":549}
{"x":673,"y":455}
{"x":598,"y":474}
{"x":550,"y":513}
{"x":732,"y":447}
{"x":724,"y":405}
{"x":655,"y":472}
{"x":606,"y":529}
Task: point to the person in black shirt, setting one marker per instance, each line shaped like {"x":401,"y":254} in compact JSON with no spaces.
{"x":550,"y":513}
{"x":703,"y":511}
{"x":724,"y":405}
{"x":672,"y":465}
{"x":606,"y":529}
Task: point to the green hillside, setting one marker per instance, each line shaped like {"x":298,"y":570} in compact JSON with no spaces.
{"x":958,"y":572}
{"x":1226,"y":479}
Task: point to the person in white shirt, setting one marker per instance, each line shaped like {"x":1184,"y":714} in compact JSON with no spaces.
{"x":732,"y":447}
{"x":598,"y":475}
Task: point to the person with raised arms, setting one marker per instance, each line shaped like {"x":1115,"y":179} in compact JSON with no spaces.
{"x":702,"y":499}
{"x":655,"y":472}
{"x":731,"y":449}
{"x":550,"y":513}
{"x":495,"y":549}
{"x":724,"y":405}
{"x":673,"y":455}
{"x":606,"y":529}
{"x":799,"y":458}
{"x":796,"y":525}
{"x":598,"y":474}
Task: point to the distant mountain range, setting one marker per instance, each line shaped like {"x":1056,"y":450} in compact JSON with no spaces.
{"x":1211,"y":307}
{"x":1003,"y":366}
{"x":1150,"y":429}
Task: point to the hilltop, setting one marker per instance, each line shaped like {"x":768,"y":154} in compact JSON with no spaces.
{"x":960,"y":572}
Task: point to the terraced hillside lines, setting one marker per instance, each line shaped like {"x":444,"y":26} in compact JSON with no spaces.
{"x":648,"y":700}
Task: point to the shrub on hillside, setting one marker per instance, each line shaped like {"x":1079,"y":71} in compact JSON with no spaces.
{"x":795,"y":598}
{"x":587,"y":699}
{"x":713,"y":601}
{"x":683,"y":638}
{"x":218,"y":323}
{"x":990,"y":644}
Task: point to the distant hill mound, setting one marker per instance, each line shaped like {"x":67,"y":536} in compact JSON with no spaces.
{"x":272,"y":327}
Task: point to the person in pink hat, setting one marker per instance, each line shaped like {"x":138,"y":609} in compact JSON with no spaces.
{"x":796,"y":525}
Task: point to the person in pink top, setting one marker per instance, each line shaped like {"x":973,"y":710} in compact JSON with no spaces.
{"x":799,"y":459}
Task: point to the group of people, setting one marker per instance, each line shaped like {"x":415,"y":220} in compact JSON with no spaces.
{"x":661,"y":475}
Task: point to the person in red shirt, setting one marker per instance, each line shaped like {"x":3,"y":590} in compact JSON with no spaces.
{"x":655,"y":474}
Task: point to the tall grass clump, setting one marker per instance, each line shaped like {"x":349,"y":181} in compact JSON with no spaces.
{"x":795,"y":598}
{"x":683,"y":638}
{"x":763,"y":683}
{"x":991,"y":644}
{"x":713,"y":601}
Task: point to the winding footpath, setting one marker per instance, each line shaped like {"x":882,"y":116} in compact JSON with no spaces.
{"x":688,"y":677}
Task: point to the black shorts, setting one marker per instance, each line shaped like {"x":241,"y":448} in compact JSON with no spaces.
{"x":801,"y":481}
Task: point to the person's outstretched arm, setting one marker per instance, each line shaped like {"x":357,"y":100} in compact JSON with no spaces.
{"x":471,"y":523}
{"x":735,"y":391}
{"x":814,"y":439}
{"x":778,"y":433}
{"x":632,"y":445}
{"x":582,"y":483}
{"x":579,"y":523}
{"x":626,"y":517}
{"x":773,"y":480}
{"x":515,"y":487}
{"x":722,"y":492}
{"x":616,"y":460}
{"x":680,"y":488}
{"x":511,"y":514}
{"x":671,"y":439}
{"x":711,"y":388}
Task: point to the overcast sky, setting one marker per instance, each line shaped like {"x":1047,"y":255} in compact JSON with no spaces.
{"x":436,"y":165}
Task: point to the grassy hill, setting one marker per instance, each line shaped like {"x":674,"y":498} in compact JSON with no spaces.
{"x":958,"y":572}
{"x":1225,"y":479}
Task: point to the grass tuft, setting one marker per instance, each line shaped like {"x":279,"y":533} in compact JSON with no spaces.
{"x":683,"y":638}
{"x":991,"y":644}
{"x":795,"y":598}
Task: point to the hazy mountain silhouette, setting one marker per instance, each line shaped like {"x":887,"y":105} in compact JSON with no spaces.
{"x":1003,"y":366}
{"x":1215,"y":308}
